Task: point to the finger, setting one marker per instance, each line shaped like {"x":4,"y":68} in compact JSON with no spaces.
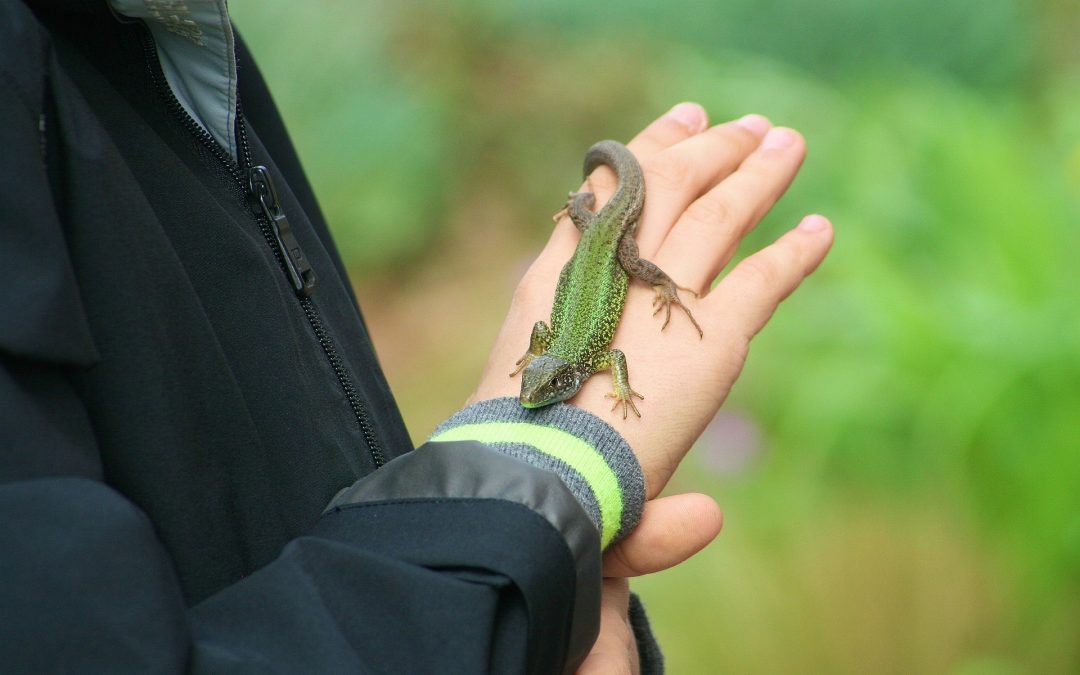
{"x":683,"y":121}
{"x":677,"y":176}
{"x":615,"y":649}
{"x":671,"y":530}
{"x":707,"y":235}
{"x":749,"y":295}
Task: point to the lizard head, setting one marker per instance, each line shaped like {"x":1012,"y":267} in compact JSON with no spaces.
{"x":549,"y":379}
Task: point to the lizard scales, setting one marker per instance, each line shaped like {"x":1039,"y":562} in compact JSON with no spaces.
{"x":591,"y":292}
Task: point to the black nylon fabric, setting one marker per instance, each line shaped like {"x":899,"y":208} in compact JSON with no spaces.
{"x":361,"y":594}
{"x":210,"y":377}
{"x":170,"y":428}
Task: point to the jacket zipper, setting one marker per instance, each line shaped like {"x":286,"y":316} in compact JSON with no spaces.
{"x":256,"y":183}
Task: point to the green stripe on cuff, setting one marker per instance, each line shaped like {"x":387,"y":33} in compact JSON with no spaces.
{"x":561,"y":445}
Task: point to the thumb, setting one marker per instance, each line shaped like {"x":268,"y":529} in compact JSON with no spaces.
{"x":671,"y":530}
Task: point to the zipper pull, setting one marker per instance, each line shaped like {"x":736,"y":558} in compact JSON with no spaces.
{"x":261,"y":185}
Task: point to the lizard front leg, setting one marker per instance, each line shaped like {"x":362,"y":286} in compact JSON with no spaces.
{"x":579,"y":208}
{"x":620,"y":378}
{"x":538,"y":344}
{"x":667,"y":292}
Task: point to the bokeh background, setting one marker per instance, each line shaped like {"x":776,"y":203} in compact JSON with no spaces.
{"x":900,"y":463}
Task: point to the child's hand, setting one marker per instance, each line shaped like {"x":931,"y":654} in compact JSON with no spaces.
{"x":705,"y":189}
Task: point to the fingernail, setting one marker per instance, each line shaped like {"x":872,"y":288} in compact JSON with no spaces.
{"x":690,"y":115}
{"x":814,"y":223}
{"x":756,"y":124}
{"x":778,"y":138}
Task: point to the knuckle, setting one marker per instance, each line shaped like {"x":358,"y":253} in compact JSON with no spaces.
{"x":761,"y":270}
{"x":601,"y":182}
{"x":710,"y":211}
{"x":761,"y":169}
{"x":624,"y":561}
{"x":741,"y":136}
{"x":669,"y":129}
{"x":737,"y":353}
{"x":734,"y":139}
{"x":668,"y":170}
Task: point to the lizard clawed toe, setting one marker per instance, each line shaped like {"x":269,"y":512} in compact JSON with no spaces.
{"x":625,"y":400}
{"x":666,"y":306}
{"x":666,"y":297}
{"x":521,"y":364}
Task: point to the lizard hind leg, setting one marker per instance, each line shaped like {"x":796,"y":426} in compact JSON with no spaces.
{"x":578,"y":207}
{"x":666,"y":296}
{"x":667,"y":291}
{"x":538,"y":344}
{"x":620,"y":379}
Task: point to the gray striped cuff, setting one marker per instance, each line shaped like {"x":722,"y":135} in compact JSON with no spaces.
{"x":505,"y":425}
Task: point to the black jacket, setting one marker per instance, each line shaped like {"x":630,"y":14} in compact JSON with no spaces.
{"x":174,"y":419}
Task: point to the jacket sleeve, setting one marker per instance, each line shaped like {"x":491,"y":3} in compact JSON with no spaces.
{"x":499,"y":573}
{"x":476,"y":553}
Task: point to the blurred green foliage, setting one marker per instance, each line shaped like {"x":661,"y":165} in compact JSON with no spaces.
{"x":915,"y":506}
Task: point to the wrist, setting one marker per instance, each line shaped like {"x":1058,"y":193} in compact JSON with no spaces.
{"x":591,"y":458}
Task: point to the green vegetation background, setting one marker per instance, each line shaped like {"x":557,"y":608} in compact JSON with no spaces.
{"x":900,"y":463}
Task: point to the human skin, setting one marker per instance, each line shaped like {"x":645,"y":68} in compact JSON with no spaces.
{"x":706,"y":187}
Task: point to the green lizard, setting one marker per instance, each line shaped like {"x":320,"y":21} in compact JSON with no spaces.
{"x":592,"y":291}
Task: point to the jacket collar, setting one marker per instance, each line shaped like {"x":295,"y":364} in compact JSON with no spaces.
{"x":197,"y":51}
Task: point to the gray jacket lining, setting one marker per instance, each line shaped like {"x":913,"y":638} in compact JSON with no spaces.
{"x":195,"y":45}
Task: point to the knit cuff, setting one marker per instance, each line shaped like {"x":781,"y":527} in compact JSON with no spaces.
{"x":589,"y":456}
